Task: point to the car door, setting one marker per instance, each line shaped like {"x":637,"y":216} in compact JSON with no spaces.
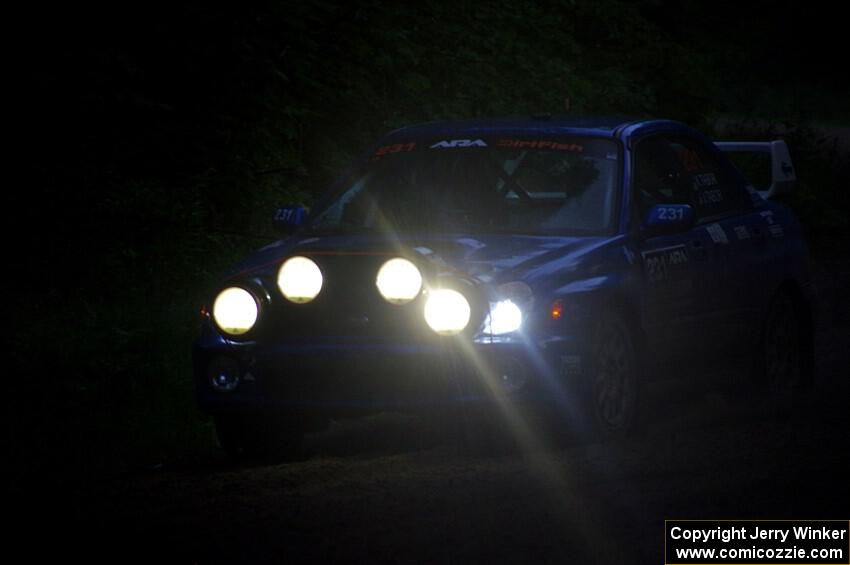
{"x":732,"y":233}
{"x":679,"y":269}
{"x":743,"y":235}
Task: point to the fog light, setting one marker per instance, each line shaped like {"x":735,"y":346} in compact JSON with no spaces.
{"x":235,"y":310}
{"x":224,"y":374}
{"x":299,"y":279}
{"x":399,"y":281}
{"x":447,"y":311}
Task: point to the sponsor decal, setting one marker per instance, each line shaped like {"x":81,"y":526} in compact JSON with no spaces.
{"x":767,"y":215}
{"x":570,"y":365}
{"x":539,"y":144}
{"x":717,"y":234}
{"x":451,"y":143}
{"x":394,"y":148}
{"x":705,"y":180}
{"x":703,"y":184}
{"x":712,"y":196}
{"x":741,"y":232}
{"x":776,"y":230}
{"x":659,"y":263}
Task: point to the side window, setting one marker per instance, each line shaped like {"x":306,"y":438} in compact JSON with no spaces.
{"x":681,"y":170}
{"x":659,"y":177}
{"x":713,"y":191}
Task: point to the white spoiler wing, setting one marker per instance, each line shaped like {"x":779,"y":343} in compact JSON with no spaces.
{"x":782,"y":174}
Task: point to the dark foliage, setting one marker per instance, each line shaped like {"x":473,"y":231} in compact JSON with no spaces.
{"x":161,"y":137}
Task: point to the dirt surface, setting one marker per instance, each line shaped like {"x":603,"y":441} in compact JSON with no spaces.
{"x":387,"y":489}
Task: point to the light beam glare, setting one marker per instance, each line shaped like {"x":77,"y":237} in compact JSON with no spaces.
{"x":541,"y":462}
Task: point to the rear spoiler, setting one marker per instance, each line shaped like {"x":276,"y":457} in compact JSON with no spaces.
{"x":782,"y":174}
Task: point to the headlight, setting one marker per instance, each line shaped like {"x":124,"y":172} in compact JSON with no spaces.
{"x":299,"y":279}
{"x":447,"y":311}
{"x":235,"y":310}
{"x":505,"y":317}
{"x":514,"y":300}
{"x":399,"y":281}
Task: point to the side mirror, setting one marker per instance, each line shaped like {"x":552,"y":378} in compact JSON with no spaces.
{"x":288,"y":218}
{"x":667,"y":219}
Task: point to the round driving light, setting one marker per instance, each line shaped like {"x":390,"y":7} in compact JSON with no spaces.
{"x":447,"y":311}
{"x":235,"y":310}
{"x":299,"y":279}
{"x":399,"y":281}
{"x":505,"y":317}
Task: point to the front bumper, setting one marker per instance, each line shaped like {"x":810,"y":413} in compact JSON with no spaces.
{"x":349,"y":376}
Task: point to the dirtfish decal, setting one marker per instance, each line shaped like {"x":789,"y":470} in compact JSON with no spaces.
{"x":540,"y":144}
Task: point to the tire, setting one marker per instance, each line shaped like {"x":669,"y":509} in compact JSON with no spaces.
{"x":782,"y":352}
{"x":264,"y":436}
{"x":611,"y":386}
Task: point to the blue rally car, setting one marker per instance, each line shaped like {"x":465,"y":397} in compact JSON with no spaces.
{"x":553,"y":263}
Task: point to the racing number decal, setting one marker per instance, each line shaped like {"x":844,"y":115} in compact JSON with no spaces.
{"x":663,"y":264}
{"x":671,"y":214}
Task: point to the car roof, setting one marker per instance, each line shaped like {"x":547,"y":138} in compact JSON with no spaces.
{"x":603,"y":126}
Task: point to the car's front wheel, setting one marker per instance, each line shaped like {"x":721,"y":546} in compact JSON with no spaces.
{"x":264,"y":436}
{"x":611,"y":385}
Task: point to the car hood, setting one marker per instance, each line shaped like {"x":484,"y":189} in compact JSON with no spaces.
{"x":489,"y":258}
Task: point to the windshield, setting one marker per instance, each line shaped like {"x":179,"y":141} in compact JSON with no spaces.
{"x":524,"y":185}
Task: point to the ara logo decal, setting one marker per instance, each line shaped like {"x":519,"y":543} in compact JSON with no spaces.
{"x":459,"y":143}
